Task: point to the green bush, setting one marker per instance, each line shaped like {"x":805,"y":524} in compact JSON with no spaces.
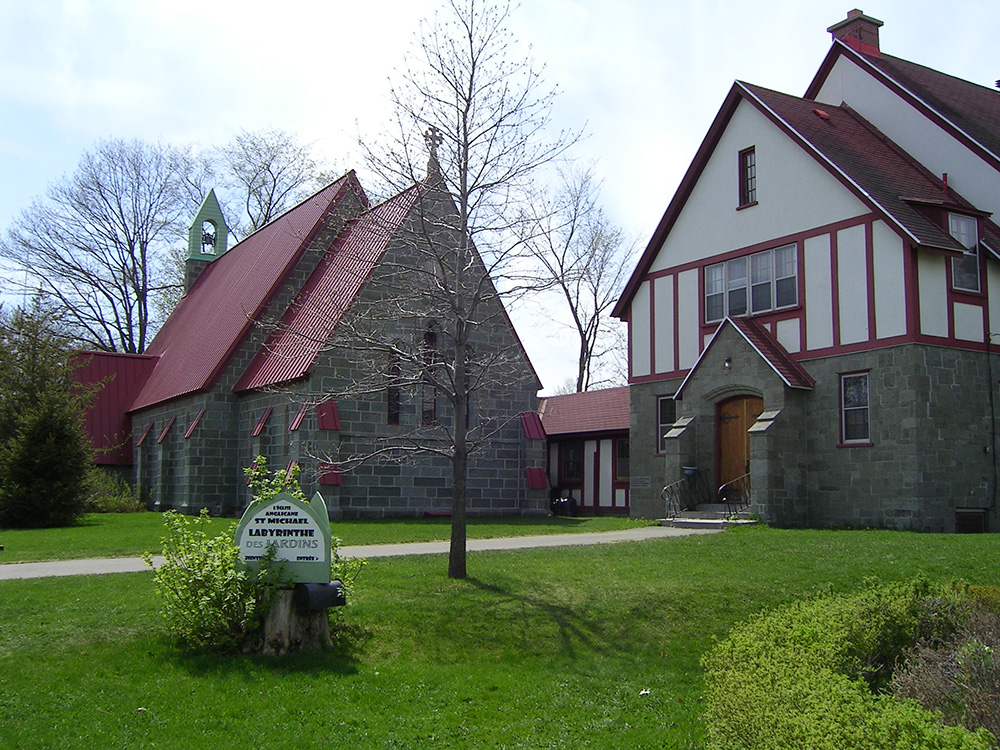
{"x":108,"y":493}
{"x":810,"y":674}
{"x":209,"y":601}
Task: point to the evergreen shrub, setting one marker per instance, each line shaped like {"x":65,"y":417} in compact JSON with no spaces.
{"x":813,"y":674}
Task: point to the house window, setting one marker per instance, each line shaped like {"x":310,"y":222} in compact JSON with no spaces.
{"x":666,"y":410}
{"x":855,"y":408}
{"x":757,"y":283}
{"x":621,"y":459}
{"x":965,"y":270}
{"x":571,"y":462}
{"x":748,"y":177}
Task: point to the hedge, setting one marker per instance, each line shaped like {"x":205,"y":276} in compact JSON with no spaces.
{"x":811,"y":674}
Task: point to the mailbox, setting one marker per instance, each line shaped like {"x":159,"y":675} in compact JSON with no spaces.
{"x":315,"y":596}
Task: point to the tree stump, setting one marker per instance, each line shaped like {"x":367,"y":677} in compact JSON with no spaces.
{"x":288,"y":628}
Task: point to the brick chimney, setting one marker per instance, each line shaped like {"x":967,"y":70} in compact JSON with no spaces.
{"x":859,"y":31}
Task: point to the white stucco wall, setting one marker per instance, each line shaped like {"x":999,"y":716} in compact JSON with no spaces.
{"x":889,"y":282}
{"x":852,"y":285}
{"x":789,"y":185}
{"x":687,"y":318}
{"x":934,"y":147}
{"x":639,"y":331}
{"x":968,"y":322}
{"x":663,"y":322}
{"x":605,"y":491}
{"x":932,"y":285}
{"x":819,"y":293}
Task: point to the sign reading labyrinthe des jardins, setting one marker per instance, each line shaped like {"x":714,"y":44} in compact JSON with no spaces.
{"x":299,"y":532}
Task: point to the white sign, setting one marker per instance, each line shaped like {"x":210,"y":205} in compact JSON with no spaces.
{"x":298,"y":531}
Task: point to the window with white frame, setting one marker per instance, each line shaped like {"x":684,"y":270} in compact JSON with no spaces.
{"x":757,"y":283}
{"x":666,"y":411}
{"x":965,"y":270}
{"x":855,"y":408}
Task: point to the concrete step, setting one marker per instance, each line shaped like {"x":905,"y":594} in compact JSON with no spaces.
{"x":714,"y":522}
{"x":708,"y":516}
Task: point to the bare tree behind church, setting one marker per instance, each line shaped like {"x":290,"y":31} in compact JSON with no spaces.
{"x":480,"y":107}
{"x":92,"y":246}
{"x":105,"y":246}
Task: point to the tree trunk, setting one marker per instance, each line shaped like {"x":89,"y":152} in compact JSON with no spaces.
{"x":456,"y":550}
{"x":287,"y":628}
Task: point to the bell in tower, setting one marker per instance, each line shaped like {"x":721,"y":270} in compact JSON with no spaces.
{"x":207,"y":238}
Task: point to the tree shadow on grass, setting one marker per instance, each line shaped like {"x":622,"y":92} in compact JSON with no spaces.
{"x":577,"y":632}
{"x":349,"y":642}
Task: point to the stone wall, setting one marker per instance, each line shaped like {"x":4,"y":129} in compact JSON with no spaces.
{"x":932,"y":450}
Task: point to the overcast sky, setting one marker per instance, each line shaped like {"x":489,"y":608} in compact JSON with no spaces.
{"x":643,"y":77}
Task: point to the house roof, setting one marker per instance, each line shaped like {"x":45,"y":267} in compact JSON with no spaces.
{"x":876,"y":170}
{"x":886,"y":178}
{"x":588,"y":412}
{"x":774,"y":354}
{"x":292,"y":348}
{"x":223,"y":304}
{"x":972,"y":109}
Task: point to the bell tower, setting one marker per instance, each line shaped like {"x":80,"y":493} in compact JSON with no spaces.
{"x":208,"y":238}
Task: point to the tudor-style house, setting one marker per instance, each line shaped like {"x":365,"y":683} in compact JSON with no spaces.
{"x":247,"y":364}
{"x":811,"y":321}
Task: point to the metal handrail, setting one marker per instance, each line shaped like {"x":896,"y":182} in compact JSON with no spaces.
{"x":685,"y":494}
{"x":736,"y":493}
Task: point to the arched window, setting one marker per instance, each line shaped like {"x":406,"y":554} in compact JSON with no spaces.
{"x":428,"y":405}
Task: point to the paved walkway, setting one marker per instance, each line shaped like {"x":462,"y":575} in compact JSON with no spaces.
{"x":10,"y":571}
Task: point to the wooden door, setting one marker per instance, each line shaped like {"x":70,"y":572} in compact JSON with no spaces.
{"x":734,"y":417}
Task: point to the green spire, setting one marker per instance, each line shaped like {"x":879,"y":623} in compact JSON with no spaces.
{"x":209,"y":233}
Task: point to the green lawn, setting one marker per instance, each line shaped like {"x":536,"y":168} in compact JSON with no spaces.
{"x":544,"y":648}
{"x":132,"y":534}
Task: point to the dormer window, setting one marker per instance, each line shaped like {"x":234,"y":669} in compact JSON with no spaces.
{"x":965,"y":270}
{"x":748,"y":177}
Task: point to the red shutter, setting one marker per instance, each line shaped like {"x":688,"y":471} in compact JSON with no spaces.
{"x":262,"y":421}
{"x":532,"y":424}
{"x":166,"y":429}
{"x":326,"y":416}
{"x":536,"y":478}
{"x":329,"y":475}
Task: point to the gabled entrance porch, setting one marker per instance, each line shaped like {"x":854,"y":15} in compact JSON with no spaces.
{"x":741,"y":405}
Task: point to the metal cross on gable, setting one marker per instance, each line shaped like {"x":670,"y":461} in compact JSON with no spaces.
{"x":433,"y":139}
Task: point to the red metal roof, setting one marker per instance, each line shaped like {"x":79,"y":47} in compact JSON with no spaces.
{"x":221,"y":307}
{"x":293,"y":347}
{"x":106,"y":422}
{"x":588,"y":412}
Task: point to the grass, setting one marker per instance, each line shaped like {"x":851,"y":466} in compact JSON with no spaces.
{"x":545,"y":648}
{"x":133,"y":534}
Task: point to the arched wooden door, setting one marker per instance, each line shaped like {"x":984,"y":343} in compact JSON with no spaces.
{"x":734,"y":417}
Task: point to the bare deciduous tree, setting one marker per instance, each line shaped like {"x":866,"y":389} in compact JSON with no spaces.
{"x":582,"y":255}
{"x":266,"y":171}
{"x":91,"y":245}
{"x":483,"y":109}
